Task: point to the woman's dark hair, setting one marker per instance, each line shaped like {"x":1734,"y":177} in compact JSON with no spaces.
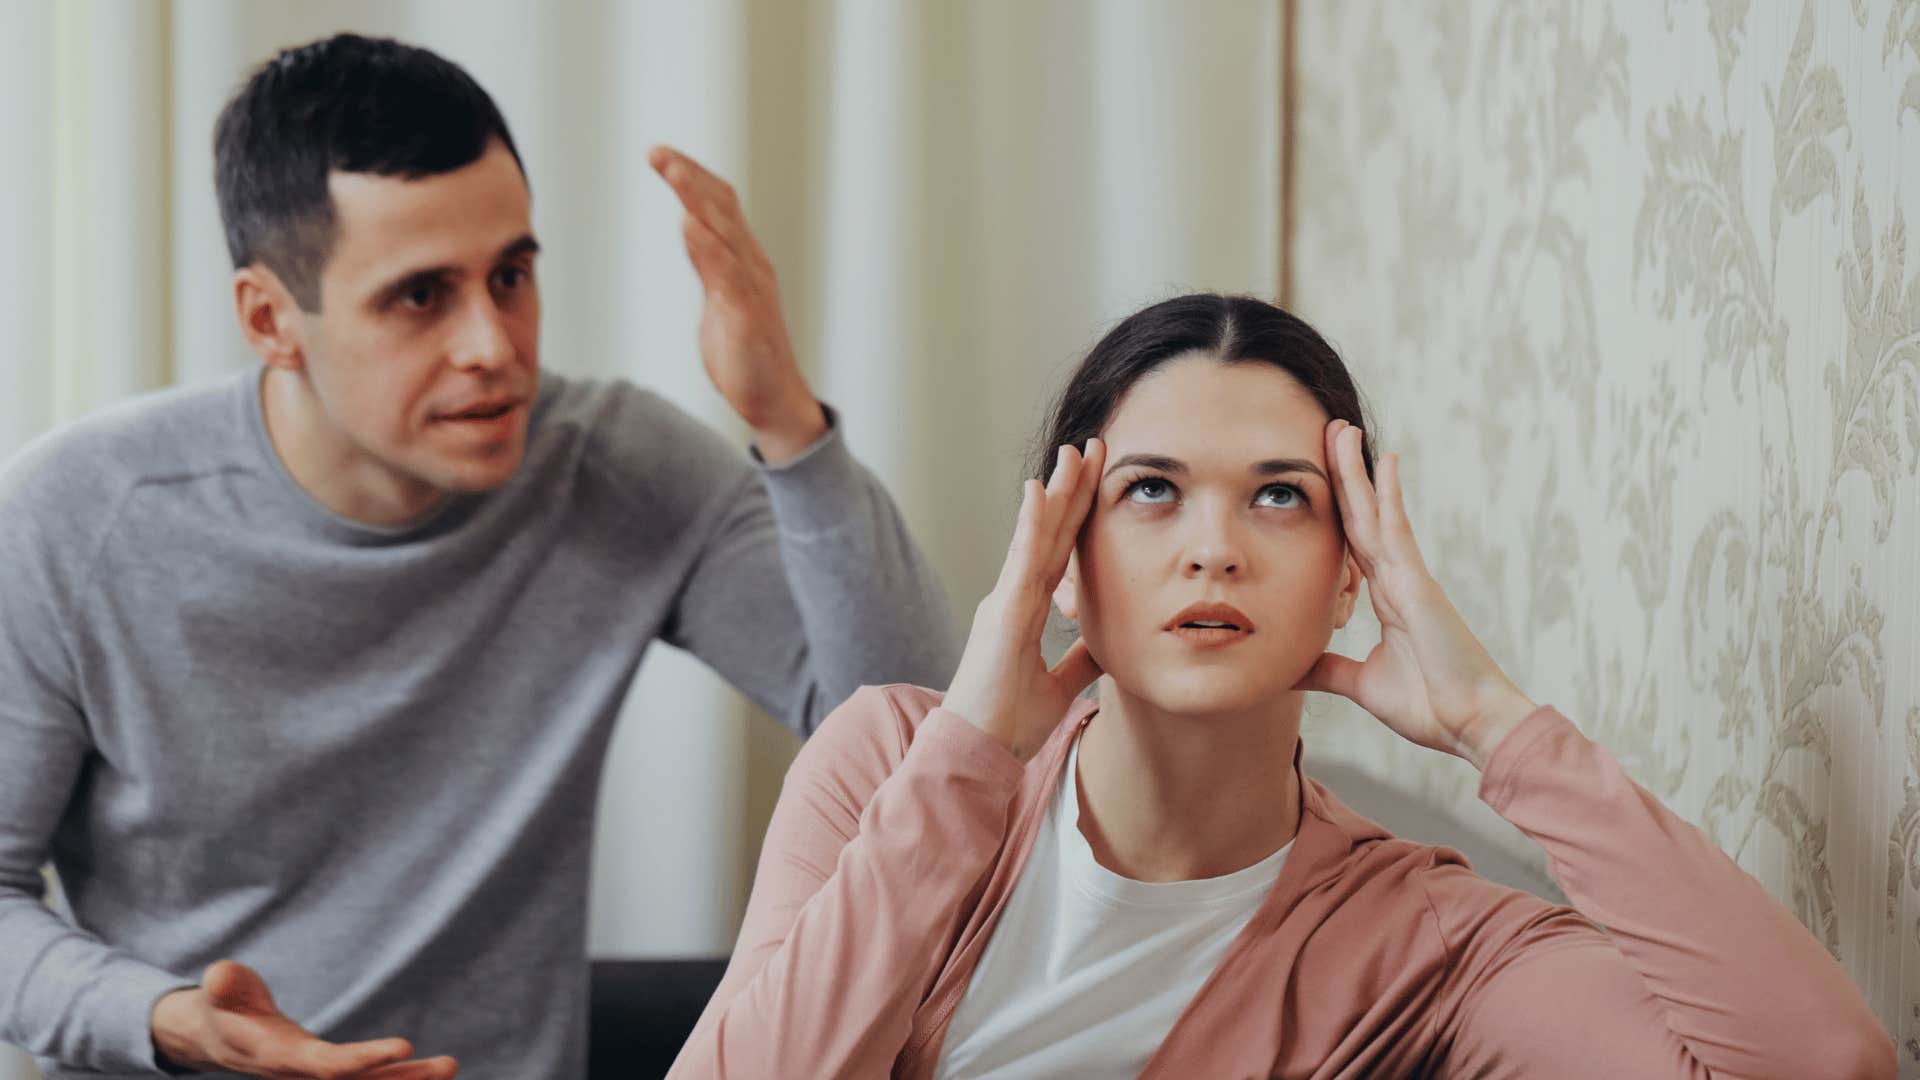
{"x":1229,"y":329}
{"x":351,"y":103}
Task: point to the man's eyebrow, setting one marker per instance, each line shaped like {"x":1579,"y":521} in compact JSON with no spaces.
{"x":523,"y":247}
{"x":526,"y":245}
{"x":407,"y":282}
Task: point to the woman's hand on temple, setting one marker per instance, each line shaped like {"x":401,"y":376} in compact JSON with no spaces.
{"x":1429,"y":678}
{"x":1003,"y":685}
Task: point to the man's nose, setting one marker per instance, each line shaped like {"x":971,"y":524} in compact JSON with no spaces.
{"x":482,"y":340}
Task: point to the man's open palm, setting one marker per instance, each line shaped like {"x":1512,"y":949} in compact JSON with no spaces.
{"x":230,"y":1023}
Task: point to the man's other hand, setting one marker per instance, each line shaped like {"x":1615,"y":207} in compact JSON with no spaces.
{"x":229,"y":1023}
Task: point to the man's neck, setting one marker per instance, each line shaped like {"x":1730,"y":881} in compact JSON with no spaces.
{"x":329,"y":468}
{"x":1168,"y":796}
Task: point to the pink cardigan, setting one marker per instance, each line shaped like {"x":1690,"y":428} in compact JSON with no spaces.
{"x":901,"y":830}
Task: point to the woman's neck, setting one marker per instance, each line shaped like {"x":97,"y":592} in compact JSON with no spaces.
{"x":1168,"y":796}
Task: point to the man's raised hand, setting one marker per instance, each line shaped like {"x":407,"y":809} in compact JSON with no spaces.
{"x":743,"y":334}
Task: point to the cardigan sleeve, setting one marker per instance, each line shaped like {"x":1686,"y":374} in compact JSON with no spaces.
{"x":1694,"y":970}
{"x":882,"y":832}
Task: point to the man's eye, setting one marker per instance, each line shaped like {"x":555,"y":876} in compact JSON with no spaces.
{"x":420,"y":297}
{"x":511,"y":277}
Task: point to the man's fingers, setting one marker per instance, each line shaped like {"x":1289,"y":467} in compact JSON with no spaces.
{"x":719,"y":268}
{"x":274,"y":1045}
{"x":687,"y":174}
{"x":709,"y":198}
{"x":439,"y":1068}
{"x":356,"y":1058}
{"x":317,"y":1057}
{"x":237,"y":987}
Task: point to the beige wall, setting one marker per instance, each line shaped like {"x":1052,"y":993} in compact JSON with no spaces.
{"x":1628,"y":286}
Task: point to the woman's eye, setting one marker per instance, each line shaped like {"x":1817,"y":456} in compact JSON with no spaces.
{"x":1149,"y":489}
{"x":420,"y":297}
{"x":1284,"y":496}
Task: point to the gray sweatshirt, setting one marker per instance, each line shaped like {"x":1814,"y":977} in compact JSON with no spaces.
{"x":365,"y":761}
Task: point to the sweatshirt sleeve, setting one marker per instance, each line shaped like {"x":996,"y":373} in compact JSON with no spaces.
{"x":811,"y":587}
{"x":64,"y":994}
{"x":1694,"y":970}
{"x":881,"y":835}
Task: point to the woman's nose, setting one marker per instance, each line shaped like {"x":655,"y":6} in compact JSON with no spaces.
{"x":1215,"y":550}
{"x":1210,"y":563}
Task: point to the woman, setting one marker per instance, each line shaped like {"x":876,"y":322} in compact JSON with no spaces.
{"x":1015,"y":883}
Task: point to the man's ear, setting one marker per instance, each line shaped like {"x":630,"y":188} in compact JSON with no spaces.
{"x":1349,"y":594}
{"x":270,"y":317}
{"x":1066,"y":595}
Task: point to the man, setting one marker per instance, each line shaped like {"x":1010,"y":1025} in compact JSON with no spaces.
{"x":314,"y":669}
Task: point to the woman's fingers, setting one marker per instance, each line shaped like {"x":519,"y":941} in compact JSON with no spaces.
{"x":1060,"y":490}
{"x":1395,"y":527}
{"x":1333,"y":674}
{"x":1076,"y":668}
{"x":1359,"y":510}
{"x":1019,"y":549}
{"x":1077,"y":501}
{"x":1069,"y":496}
{"x":1048,"y":524}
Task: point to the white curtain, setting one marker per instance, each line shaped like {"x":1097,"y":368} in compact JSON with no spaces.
{"x":959,"y":197}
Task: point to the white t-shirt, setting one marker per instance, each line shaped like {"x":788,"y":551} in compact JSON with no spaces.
{"x":1087,"y":970}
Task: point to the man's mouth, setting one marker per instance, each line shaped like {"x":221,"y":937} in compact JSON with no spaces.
{"x":482,"y":411}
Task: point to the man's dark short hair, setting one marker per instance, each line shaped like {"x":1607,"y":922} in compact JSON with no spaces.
{"x":347,"y":103}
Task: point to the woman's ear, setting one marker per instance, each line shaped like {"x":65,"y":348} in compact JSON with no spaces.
{"x":1066,"y":595}
{"x":1349,"y":594}
{"x":269,"y":316}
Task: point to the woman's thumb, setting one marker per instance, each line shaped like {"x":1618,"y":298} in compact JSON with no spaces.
{"x":1077,"y":668}
{"x":1333,"y":674}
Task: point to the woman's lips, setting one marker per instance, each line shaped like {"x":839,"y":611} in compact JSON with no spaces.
{"x":1209,"y":637}
{"x":1210,"y":624}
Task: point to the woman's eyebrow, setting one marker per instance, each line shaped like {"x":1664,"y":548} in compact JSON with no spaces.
{"x":1280,"y":466}
{"x":1157,"y":462}
{"x":1174,"y":466}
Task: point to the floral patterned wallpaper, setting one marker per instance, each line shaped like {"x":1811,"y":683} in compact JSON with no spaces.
{"x":1627,"y":285}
